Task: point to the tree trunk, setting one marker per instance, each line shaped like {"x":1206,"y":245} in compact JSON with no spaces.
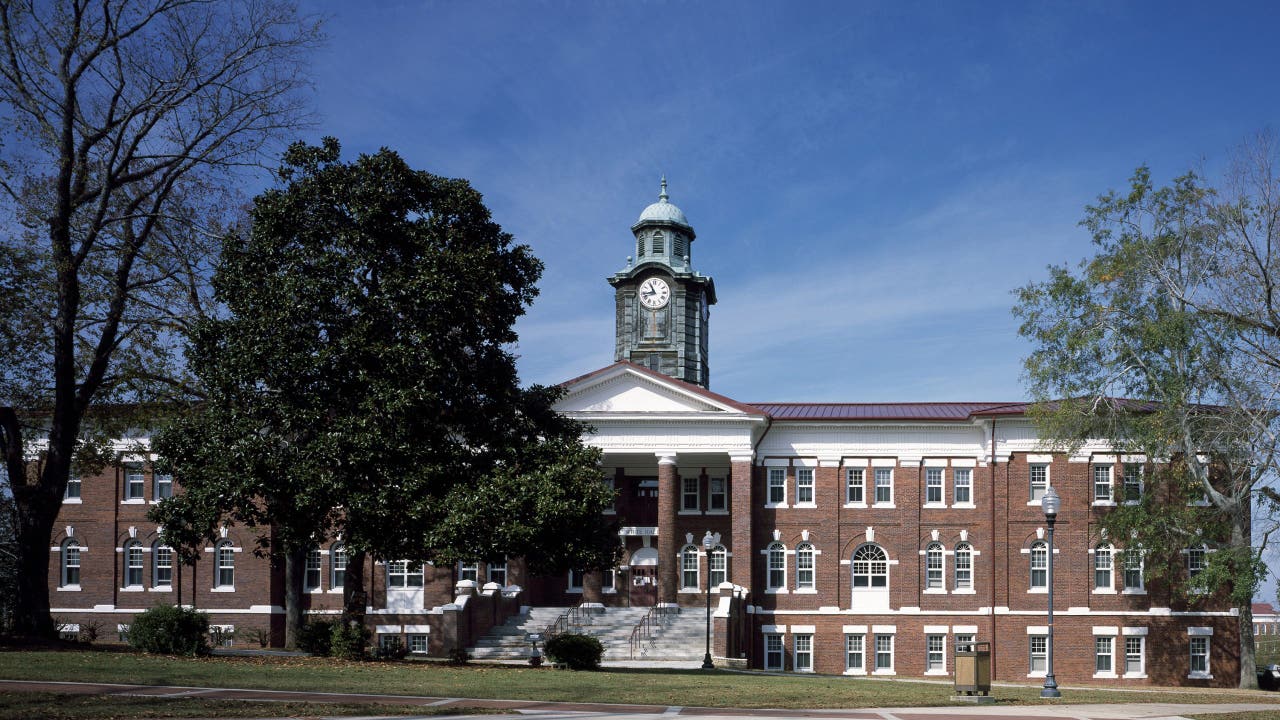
{"x":35,"y":527}
{"x":1248,"y":653}
{"x":295,"y":564}
{"x":354,"y":597}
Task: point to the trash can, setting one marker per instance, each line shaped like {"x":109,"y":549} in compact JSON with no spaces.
{"x":973,"y":668}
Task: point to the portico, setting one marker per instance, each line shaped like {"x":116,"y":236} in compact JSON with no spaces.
{"x":680,"y":459}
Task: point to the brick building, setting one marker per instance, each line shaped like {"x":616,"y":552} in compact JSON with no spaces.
{"x":852,"y":538}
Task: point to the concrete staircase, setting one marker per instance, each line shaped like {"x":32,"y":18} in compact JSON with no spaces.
{"x":676,"y":636}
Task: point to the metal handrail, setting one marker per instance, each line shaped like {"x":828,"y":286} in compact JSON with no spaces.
{"x":643,"y":631}
{"x":574,"y":617}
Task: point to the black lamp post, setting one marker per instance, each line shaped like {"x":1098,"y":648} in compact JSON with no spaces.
{"x":1050,"y":503}
{"x":709,"y":541}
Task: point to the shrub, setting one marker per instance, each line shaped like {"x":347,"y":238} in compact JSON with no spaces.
{"x":316,"y":637}
{"x":459,"y":656}
{"x":170,"y":630}
{"x":577,"y":652}
{"x":89,"y":631}
{"x":261,"y":636}
{"x":348,"y":641}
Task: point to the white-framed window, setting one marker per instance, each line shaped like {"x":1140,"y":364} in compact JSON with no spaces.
{"x":1132,"y":482}
{"x":161,"y":565}
{"x":933,"y":486}
{"x":962,"y":486}
{"x":718,"y":496}
{"x":689,"y":494}
{"x":311,"y":578}
{"x":70,"y":564}
{"x":777,"y":558}
{"x":1133,"y":581}
{"x":933,"y":567}
{"x":224,"y":571}
{"x":935,"y":660}
{"x":337,"y":566}
{"x":884,"y":653}
{"x":418,"y":643}
{"x":1102,"y":568}
{"x":133,"y":564}
{"x":469,"y":571}
{"x":718,"y":565}
{"x":162,"y":486}
{"x":1039,"y":480}
{"x":804,"y":487}
{"x":607,"y":580}
{"x":401,"y":575}
{"x":884,"y":486}
{"x":689,"y":568}
{"x":964,"y":566}
{"x":773,"y":652}
{"x":575,"y":580}
{"x":74,"y":486}
{"x":870,"y":567}
{"x":133,"y":481}
{"x":1104,"y":655}
{"x":497,"y":572}
{"x":1039,"y":565}
{"x":804,"y":566}
{"x":777,"y":486}
{"x":855,"y":652}
{"x":1039,"y":652}
{"x":1135,"y":655}
{"x":964,"y":642}
{"x":1195,"y":561}
{"x":803,"y":652}
{"x":855,"y":483}
{"x":1199,"y":655}
{"x":1102,"y":484}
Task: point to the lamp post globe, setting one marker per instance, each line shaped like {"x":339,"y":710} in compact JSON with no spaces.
{"x":1050,"y":503}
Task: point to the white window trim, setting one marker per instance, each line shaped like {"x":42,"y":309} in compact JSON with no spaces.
{"x":795,"y":642}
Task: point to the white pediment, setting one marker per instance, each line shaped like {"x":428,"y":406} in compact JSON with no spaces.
{"x":625,"y":390}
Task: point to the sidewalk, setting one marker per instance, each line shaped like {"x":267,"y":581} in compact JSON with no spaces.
{"x":576,"y":711}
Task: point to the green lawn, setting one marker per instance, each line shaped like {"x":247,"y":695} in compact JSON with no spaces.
{"x":659,"y":687}
{"x":52,"y":706}
{"x":1255,"y":715}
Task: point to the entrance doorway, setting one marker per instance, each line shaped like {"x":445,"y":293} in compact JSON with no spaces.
{"x":644,"y":577}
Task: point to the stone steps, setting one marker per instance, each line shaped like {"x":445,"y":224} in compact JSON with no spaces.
{"x":678,"y":636}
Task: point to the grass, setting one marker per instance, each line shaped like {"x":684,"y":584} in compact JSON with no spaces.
{"x":627,"y":686}
{"x":55,"y":706}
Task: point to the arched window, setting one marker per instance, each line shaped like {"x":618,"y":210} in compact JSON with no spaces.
{"x":224,"y":565}
{"x":71,"y":564}
{"x":777,"y":554}
{"x":718,"y":565}
{"x":161,"y":565}
{"x":659,"y":247}
{"x":804,"y":566}
{"x":677,"y":246}
{"x":870,"y":567}
{"x":1102,"y":564}
{"x":933,"y":567}
{"x":964,"y":566}
{"x":689,"y":567}
{"x":311,"y":579}
{"x":133,"y":564}
{"x":640,"y":245}
{"x":1039,"y":565}
{"x":337,"y":566}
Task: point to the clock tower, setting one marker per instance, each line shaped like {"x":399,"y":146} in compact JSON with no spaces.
{"x":662,"y":304}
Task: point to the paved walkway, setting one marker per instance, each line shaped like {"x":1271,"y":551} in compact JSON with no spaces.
{"x":522,"y":709}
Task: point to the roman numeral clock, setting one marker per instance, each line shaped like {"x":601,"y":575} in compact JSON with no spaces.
{"x":662,"y":303}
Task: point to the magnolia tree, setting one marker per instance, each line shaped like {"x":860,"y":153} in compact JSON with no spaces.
{"x":360,"y":385}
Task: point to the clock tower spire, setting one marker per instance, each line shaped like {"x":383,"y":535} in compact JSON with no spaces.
{"x":662,"y":304}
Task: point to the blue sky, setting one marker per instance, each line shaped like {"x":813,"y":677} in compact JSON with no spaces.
{"x":868,"y":181}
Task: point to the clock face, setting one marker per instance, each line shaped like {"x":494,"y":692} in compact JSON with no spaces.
{"x":654,"y":293}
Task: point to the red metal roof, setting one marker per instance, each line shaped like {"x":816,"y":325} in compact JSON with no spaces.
{"x":942,"y":411}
